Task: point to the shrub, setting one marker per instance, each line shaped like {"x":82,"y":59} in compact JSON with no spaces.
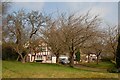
{"x":106,"y":59}
{"x":113,"y":70}
{"x":8,"y":53}
{"x":77,"y":54}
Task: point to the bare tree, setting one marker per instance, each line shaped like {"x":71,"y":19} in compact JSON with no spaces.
{"x":21,"y":28}
{"x":36,"y":21}
{"x":75,"y":31}
{"x":111,"y":40}
{"x":51,"y":36}
{"x":16,"y":32}
{"x":95,"y":45}
{"x":98,"y":49}
{"x":103,"y":42}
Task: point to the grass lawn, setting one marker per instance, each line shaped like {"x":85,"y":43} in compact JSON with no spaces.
{"x":12,"y":69}
{"x":101,"y":65}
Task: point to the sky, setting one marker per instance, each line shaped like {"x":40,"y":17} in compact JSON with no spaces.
{"x":108,"y":11}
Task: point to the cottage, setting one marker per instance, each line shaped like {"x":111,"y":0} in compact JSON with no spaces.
{"x":91,"y":57}
{"x":42,"y":54}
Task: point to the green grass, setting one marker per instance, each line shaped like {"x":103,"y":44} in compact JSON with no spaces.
{"x":12,"y":69}
{"x":101,"y":65}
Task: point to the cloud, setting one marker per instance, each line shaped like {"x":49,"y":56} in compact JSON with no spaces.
{"x":78,"y":6}
{"x":107,"y":11}
{"x":30,"y":5}
{"x":95,"y":8}
{"x":99,"y":10}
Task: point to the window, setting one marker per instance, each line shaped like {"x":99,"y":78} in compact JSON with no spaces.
{"x":38,"y":57}
{"x":43,"y":49}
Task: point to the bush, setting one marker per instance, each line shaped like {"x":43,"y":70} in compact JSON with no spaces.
{"x":113,"y":70}
{"x":8,"y":53}
{"x":77,"y":54}
{"x":106,"y":59}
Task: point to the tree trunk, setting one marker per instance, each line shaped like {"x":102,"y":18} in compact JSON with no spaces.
{"x":114,"y":57}
{"x":88,"y":58}
{"x":71,"y":59}
{"x":118,"y":53}
{"x":34,"y":57}
{"x":97,"y":59}
{"x":23,"y":58}
{"x":18,"y":58}
{"x":57,"y":58}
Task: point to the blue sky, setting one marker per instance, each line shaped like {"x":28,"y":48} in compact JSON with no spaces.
{"x":108,"y":11}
